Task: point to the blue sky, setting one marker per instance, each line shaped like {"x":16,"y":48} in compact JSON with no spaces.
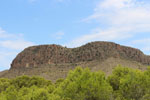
{"x":71,"y":23}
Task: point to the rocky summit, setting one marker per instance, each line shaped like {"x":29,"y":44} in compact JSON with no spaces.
{"x":55,"y":54}
{"x":54,"y":61}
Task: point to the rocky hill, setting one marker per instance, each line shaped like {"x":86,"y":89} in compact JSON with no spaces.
{"x":55,"y":54}
{"x":54,"y":60}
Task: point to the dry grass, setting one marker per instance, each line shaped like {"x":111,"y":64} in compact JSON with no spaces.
{"x":56,"y":71}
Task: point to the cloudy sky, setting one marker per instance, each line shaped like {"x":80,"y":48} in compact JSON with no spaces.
{"x":71,"y":23}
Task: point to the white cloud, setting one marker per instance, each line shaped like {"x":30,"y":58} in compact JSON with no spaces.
{"x":116,"y":4}
{"x":58,"y":35}
{"x":3,"y":34}
{"x":146,"y":49}
{"x":13,"y":41}
{"x":15,"y":44}
{"x":104,"y":35}
{"x":144,"y":43}
{"x":6,"y":59}
{"x":117,"y":19}
{"x":10,"y":46}
{"x":122,"y":13}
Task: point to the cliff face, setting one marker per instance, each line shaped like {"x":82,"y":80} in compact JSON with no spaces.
{"x":54,"y":54}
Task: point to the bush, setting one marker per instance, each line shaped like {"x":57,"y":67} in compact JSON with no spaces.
{"x":80,"y":84}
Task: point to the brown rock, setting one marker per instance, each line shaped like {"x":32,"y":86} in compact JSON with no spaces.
{"x":54,"y":54}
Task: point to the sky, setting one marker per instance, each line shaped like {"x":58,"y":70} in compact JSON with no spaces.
{"x":71,"y":23}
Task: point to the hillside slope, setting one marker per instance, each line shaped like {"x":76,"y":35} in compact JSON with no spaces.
{"x":54,"y":61}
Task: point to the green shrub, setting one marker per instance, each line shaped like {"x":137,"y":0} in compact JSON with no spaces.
{"x":80,"y":84}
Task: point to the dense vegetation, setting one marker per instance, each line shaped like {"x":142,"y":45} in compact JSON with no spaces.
{"x":80,"y":84}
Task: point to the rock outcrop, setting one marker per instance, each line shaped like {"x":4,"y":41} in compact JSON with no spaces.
{"x":36,"y":56}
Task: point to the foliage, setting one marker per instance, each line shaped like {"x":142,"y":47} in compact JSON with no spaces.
{"x":80,"y":84}
{"x":130,"y":84}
